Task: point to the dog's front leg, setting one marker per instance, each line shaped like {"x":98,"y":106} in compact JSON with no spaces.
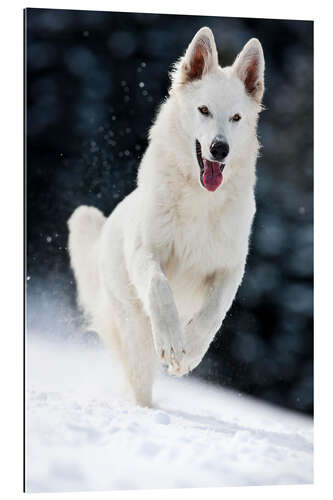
{"x":155,"y":293}
{"x":200,"y":331}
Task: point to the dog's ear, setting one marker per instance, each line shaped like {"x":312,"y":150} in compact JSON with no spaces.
{"x":200,"y":58}
{"x":250,"y":66}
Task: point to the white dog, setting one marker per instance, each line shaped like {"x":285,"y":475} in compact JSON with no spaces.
{"x":158,"y":276}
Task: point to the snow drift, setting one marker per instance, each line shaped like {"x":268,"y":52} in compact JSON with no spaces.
{"x":83,"y":431}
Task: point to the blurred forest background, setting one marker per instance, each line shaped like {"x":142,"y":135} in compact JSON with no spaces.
{"x":94,"y":82}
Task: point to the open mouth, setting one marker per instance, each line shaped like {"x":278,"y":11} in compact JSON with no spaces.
{"x":210,"y":171}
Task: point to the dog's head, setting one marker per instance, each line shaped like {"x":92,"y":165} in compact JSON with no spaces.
{"x":218,"y":107}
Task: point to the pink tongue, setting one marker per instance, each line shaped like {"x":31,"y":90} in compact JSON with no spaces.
{"x":212,"y":176}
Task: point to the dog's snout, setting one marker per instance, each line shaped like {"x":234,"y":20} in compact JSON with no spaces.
{"x":219,"y":148}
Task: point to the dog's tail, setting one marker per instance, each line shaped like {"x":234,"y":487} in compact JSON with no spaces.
{"x":85,"y":226}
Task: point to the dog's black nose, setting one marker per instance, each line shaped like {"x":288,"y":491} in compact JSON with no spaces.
{"x":219,"y":148}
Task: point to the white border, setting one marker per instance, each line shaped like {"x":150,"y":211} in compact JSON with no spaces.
{"x":11,"y":237}
{"x":283,"y":9}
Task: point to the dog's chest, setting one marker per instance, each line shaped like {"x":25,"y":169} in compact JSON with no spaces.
{"x":196,"y":240}
{"x":203,"y":240}
{"x":198,"y":246}
{"x":195,"y":254}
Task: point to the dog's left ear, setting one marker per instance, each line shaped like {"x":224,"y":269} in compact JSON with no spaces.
{"x":250,"y":66}
{"x":200,"y":58}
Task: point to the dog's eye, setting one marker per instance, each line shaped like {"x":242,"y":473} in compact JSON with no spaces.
{"x":236,"y":117}
{"x":204,"y":110}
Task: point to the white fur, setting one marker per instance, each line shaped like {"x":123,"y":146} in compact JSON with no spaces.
{"x":157,"y":277}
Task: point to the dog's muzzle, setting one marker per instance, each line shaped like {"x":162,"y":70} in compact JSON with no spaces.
{"x":210,"y":171}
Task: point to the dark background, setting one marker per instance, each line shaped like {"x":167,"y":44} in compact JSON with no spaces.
{"x":94,"y":81}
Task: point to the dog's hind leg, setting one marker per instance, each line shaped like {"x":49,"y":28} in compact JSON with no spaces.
{"x":136,"y":350}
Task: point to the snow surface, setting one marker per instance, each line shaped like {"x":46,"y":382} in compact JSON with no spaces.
{"x":83,"y":431}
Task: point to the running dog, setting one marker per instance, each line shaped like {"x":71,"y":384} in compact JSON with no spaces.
{"x":156,"y":278}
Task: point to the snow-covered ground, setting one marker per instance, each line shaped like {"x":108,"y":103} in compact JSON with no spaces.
{"x":83,"y":432}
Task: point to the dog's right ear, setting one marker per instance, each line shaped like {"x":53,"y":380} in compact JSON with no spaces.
{"x":200,"y":58}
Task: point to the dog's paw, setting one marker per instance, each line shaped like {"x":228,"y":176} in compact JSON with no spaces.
{"x":184,"y":367}
{"x":179,"y":370}
{"x":193,"y":354}
{"x":170,"y":351}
